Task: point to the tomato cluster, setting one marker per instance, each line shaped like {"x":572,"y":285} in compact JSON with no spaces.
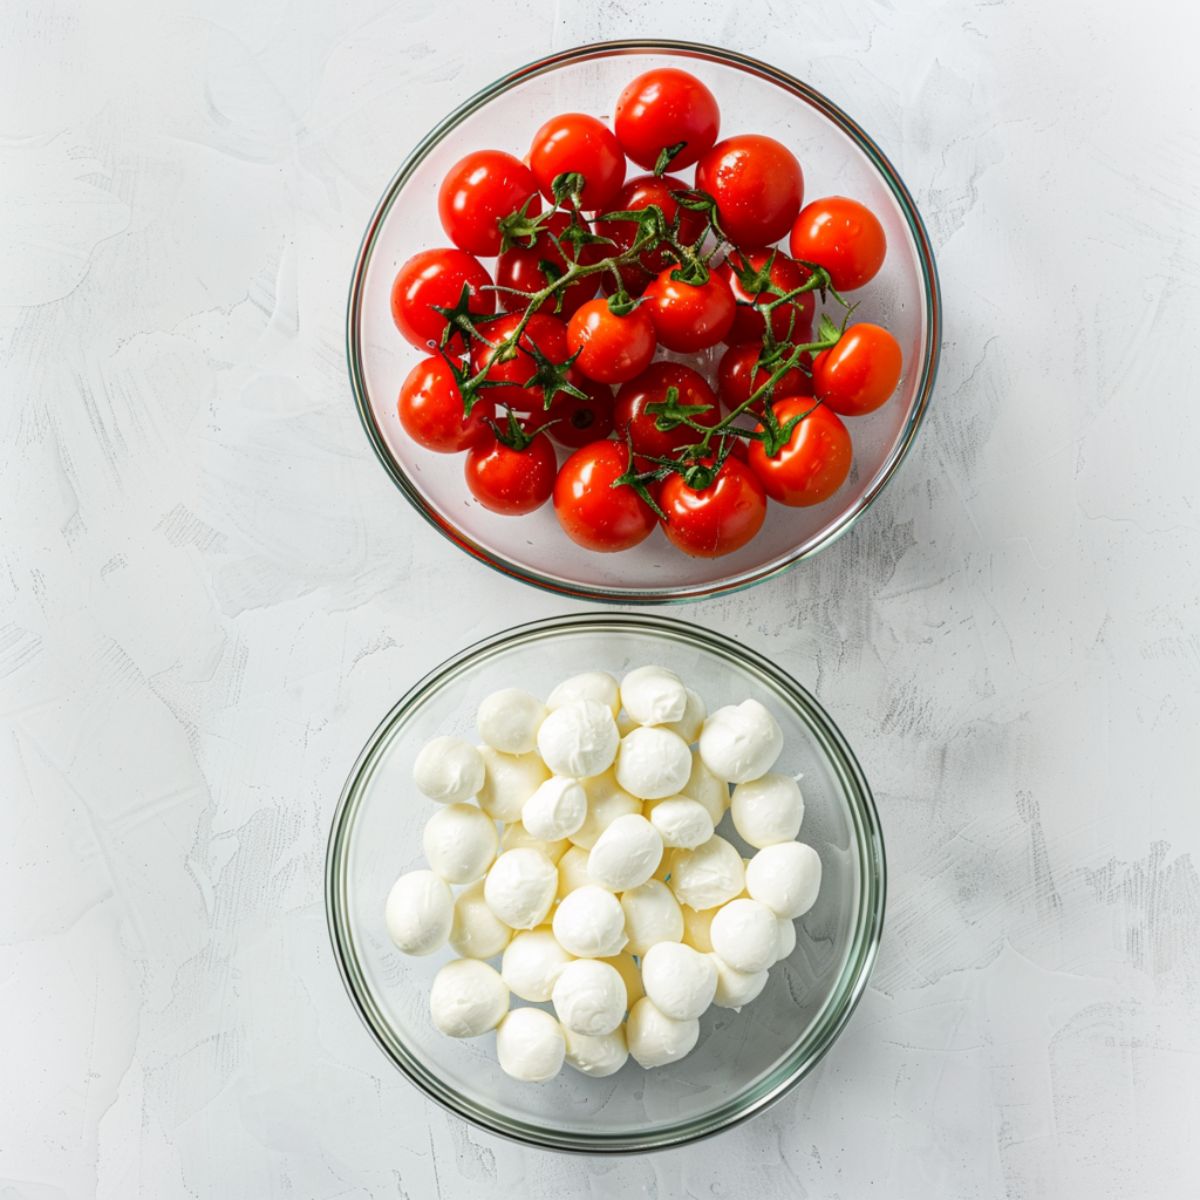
{"x":594,"y":273}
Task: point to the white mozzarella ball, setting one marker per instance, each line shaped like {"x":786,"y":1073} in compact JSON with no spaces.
{"x":509,"y":780}
{"x":589,"y":997}
{"x":735,"y":988}
{"x":745,"y":934}
{"x":654,"y":1039}
{"x":467,"y":999}
{"x":689,"y":725}
{"x":572,"y":871}
{"x":579,"y":740}
{"x":653,"y":696}
{"x":787,"y":939}
{"x":607,"y":801}
{"x":520,"y":887}
{"x":652,"y":915}
{"x":706,"y":789}
{"x":653,"y":763}
{"x":626,"y":854}
{"x":627,"y":967}
{"x":681,"y":981}
{"x":707,"y":876}
{"x":740,"y":742}
{"x":682,"y":824}
{"x":460,"y":842}
{"x":596,"y":1056}
{"x":589,"y":923}
{"x":448,"y":770}
{"x":530,"y":1045}
{"x":556,"y":810}
{"x":419,"y":912}
{"x":532,"y":963}
{"x":591,"y":685}
{"x":476,"y":931}
{"x":767,"y":810}
{"x":516,"y":836}
{"x":785,"y":877}
{"x":508,"y":720}
{"x":697,"y":927}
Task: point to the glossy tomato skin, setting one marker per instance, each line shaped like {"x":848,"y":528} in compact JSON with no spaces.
{"x":860,"y":373}
{"x":650,"y":387}
{"x":478,"y":192}
{"x":718,"y":519}
{"x":578,"y":142}
{"x":430,"y":408}
{"x":662,"y":108}
{"x":578,"y":422}
{"x":792,"y":320}
{"x":843,"y":236}
{"x":610,"y":349}
{"x":437,"y":277}
{"x":594,"y":513}
{"x":520,"y":267}
{"x":548,"y":334}
{"x":814,"y":462}
{"x":738,"y":375}
{"x":689,"y":317}
{"x":508,"y":481}
{"x":758,"y":186}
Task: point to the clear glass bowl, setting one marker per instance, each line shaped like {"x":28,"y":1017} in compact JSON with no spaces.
{"x":838,"y":157}
{"x":744,"y":1061}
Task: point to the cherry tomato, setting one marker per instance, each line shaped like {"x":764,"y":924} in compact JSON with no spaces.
{"x":594,"y":513}
{"x":610,"y":349}
{"x":431,"y":409}
{"x":858,"y":374}
{"x":477,"y":192}
{"x":790,"y":321}
{"x":651,"y":387}
{"x":437,"y":277}
{"x":842,"y":236}
{"x":521,"y":268}
{"x":663,"y":108}
{"x":812,"y":464}
{"x":718,"y":519}
{"x":738,"y":375}
{"x":511,"y":481}
{"x":690,"y":316}
{"x":577,"y":142}
{"x":578,"y":422}
{"x":757,"y":184}
{"x":548,"y":334}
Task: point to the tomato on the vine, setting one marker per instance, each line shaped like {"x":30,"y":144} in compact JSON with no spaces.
{"x":790,"y":321}
{"x":843,"y":236}
{"x":580,"y":421}
{"x":813,"y":463}
{"x":662,"y":108}
{"x":610,"y":348}
{"x":516,"y":372}
{"x":758,"y":186}
{"x":437,"y":277}
{"x":430,"y":408}
{"x":576,"y":143}
{"x":594,"y":510}
{"x":739,"y":376}
{"x":520,"y":267}
{"x":689,"y":316}
{"x":511,"y":481}
{"x":716,"y":519}
{"x":478,"y":192}
{"x":651,"y":387}
{"x":858,"y":374}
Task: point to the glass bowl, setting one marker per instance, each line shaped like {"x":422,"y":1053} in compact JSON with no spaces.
{"x":837,"y":156}
{"x":743,"y":1061}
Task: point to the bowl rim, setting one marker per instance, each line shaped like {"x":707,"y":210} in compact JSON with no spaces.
{"x":827,"y":1023}
{"x":665,"y":594}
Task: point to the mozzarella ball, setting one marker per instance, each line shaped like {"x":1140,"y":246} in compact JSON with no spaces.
{"x":591,"y":685}
{"x":516,"y":836}
{"x":745,"y":934}
{"x":589,"y":923}
{"x":509,"y":780}
{"x":607,"y":801}
{"x":532,"y":963}
{"x":767,"y":810}
{"x":740,"y":742}
{"x":735,"y":988}
{"x":689,"y":725}
{"x":460,"y":842}
{"x":706,"y":789}
{"x":476,"y":931}
{"x":589,"y":997}
{"x":653,"y":695}
{"x":707,"y":876}
{"x":520,"y":887}
{"x":786,"y":878}
{"x":448,"y":770}
{"x":419,"y":912}
{"x":653,"y":763}
{"x":467,"y":998}
{"x":682,"y":824}
{"x":556,"y":810}
{"x":530,"y":1045}
{"x":572,"y":871}
{"x":652,"y":915}
{"x":578,"y":740}
{"x":681,"y":981}
{"x":697,"y":927}
{"x":787,"y":939}
{"x":627,"y":967}
{"x":654,"y":1039}
{"x":625,"y":854}
{"x":596,"y":1056}
{"x":508,"y":720}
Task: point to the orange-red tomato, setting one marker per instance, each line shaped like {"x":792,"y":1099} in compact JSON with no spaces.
{"x":858,"y":374}
{"x":812,"y":464}
{"x":842,"y":236}
{"x":718,"y":519}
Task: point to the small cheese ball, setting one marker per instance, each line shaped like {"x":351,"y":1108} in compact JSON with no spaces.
{"x":448,"y":770}
{"x":467,"y":999}
{"x":787,"y":939}
{"x":516,"y":836}
{"x":767,"y":810}
{"x":652,"y":915}
{"x":419,"y":912}
{"x":572,"y":871}
{"x":596,"y":1056}
{"x":740,"y":742}
{"x":460,"y":843}
{"x":476,"y":931}
{"x":509,"y":780}
{"x":589,"y":923}
{"x":589,"y":997}
{"x":689,"y":725}
{"x":654,"y":1039}
{"x":508,"y":720}
{"x":706,"y":789}
{"x":681,"y":981}
{"x":590,"y":685}
{"x":745,"y":934}
{"x":626,"y":854}
{"x":697,"y":927}
{"x":708,"y":876}
{"x":653,"y":695}
{"x":530,"y":1045}
{"x":786,"y":878}
{"x":520,"y":887}
{"x":682,"y":824}
{"x":735,"y":988}
{"x":627,"y":967}
{"x":556,"y":810}
{"x":532,"y":963}
{"x":607,"y":801}
{"x":653,"y":763}
{"x":579,"y":740}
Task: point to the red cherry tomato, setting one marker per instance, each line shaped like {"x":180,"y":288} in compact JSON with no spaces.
{"x":842,"y":236}
{"x":689,"y":316}
{"x":521,"y":268}
{"x":738,"y":375}
{"x":431,"y":409}
{"x":594,"y":513}
{"x":511,"y":481}
{"x":610,"y":349}
{"x":437,"y":277}
{"x":717,"y":519}
{"x":812,"y":464}
{"x":651,"y":387}
{"x":790,"y":321}
{"x":757,"y":184}
{"x":548,"y":334}
{"x":663,"y":108}
{"x":575,"y":142}
{"x":858,"y":374}
{"x":578,"y":422}
{"x":477,"y":192}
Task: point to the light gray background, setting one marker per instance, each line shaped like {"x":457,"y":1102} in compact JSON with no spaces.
{"x":210,"y":593}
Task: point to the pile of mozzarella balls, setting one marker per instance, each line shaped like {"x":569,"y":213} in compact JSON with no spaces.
{"x":582,"y":833}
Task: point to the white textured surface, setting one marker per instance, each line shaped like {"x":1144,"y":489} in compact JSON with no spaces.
{"x":210,"y":593}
